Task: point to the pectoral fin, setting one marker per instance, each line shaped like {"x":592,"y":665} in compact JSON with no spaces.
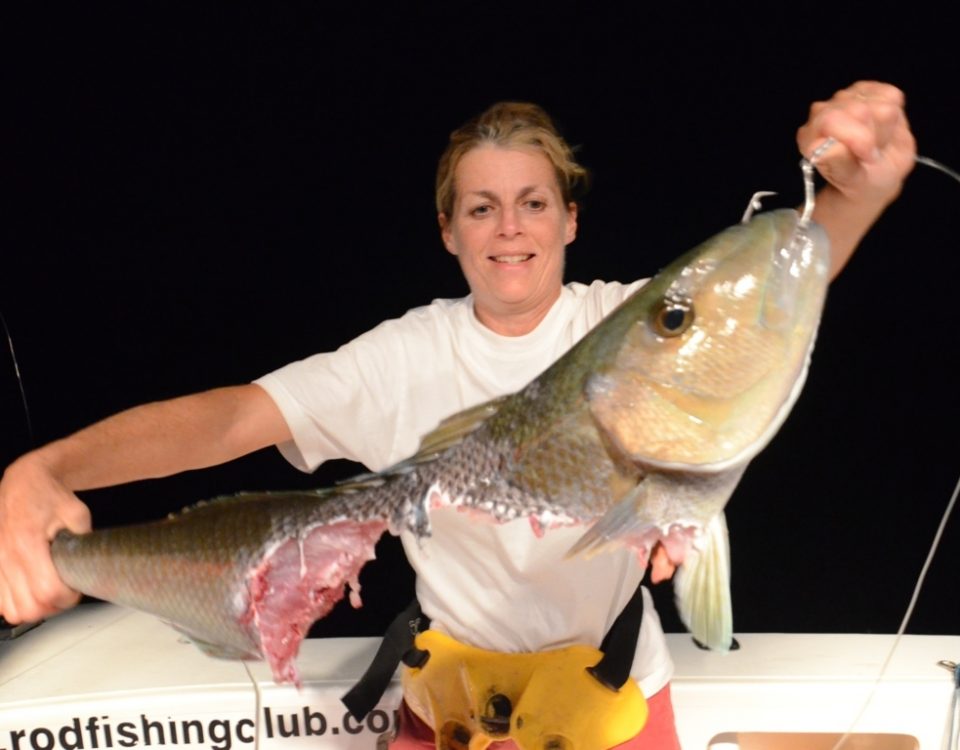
{"x":702,"y":588}
{"x":624,"y":524}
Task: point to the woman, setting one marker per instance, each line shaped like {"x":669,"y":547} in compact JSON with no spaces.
{"x":506,"y":209}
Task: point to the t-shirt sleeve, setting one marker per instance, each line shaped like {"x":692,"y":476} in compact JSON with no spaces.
{"x":340,"y":404}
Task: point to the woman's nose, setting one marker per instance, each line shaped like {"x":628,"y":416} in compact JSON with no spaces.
{"x":510,"y":224}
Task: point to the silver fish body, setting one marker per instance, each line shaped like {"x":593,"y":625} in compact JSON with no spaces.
{"x":640,"y":433}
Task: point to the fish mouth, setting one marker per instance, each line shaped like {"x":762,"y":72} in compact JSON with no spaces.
{"x":512,"y":259}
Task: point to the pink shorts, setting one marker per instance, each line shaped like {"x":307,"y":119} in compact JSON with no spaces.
{"x":659,"y":733}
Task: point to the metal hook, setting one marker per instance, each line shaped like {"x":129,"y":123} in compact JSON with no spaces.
{"x":807,"y":165}
{"x":754,"y":204}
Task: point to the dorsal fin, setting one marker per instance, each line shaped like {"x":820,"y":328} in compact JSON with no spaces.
{"x":448,"y":433}
{"x":454,"y":428}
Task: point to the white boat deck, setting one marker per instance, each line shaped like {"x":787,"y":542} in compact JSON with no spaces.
{"x":102,"y":677}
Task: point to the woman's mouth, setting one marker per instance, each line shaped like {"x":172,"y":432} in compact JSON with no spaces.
{"x":511,"y":259}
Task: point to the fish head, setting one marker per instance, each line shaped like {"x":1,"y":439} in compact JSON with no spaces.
{"x":714,"y":349}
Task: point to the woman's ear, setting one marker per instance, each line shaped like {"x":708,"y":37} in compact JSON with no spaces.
{"x":446,"y":233}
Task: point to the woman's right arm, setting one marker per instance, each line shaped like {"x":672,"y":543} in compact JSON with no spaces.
{"x":153,"y":440}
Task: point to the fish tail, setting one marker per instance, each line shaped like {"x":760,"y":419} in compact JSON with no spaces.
{"x":702,"y":588}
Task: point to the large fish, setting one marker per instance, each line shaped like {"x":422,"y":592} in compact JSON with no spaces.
{"x":639,"y":433}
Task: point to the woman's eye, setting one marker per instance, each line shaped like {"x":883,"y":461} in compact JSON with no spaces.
{"x":480,"y":210}
{"x":536,"y":205}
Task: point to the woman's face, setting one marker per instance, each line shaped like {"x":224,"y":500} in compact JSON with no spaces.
{"x":509,"y":229}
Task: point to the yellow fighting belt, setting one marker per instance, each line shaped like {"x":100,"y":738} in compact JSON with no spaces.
{"x":542,"y":701}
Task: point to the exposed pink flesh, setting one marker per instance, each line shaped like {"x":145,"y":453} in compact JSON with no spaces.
{"x":536,"y":527}
{"x":676,"y":542}
{"x":300,"y":581}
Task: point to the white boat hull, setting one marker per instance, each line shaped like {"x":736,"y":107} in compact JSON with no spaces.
{"x":102,"y":677}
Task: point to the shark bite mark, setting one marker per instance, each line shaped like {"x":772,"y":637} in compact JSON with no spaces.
{"x":300,"y":581}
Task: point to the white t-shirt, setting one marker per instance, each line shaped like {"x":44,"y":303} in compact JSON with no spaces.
{"x":492,"y":586}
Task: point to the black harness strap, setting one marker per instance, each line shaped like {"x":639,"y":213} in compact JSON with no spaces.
{"x":396,"y":646}
{"x":620,"y":645}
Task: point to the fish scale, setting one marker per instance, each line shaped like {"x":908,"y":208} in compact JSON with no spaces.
{"x":640,"y":433}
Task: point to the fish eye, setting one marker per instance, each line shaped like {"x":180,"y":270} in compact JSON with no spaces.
{"x":672,"y":317}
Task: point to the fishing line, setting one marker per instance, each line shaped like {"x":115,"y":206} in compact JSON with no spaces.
{"x":257,"y":705}
{"x":927,"y":161}
{"x":906,"y":619}
{"x":16,"y":370}
{"x":953,"y":729}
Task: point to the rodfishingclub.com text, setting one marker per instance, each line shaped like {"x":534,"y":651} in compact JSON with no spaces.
{"x":102,"y":733}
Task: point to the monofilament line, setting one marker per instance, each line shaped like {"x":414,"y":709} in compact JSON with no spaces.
{"x":16,"y":370}
{"x":909,"y":612}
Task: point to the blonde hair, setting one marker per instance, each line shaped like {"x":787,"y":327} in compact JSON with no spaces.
{"x":510,"y":125}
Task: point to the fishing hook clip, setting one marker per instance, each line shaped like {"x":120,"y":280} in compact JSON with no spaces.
{"x":951,"y":666}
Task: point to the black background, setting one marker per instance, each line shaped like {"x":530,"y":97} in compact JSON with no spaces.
{"x":203,"y":192}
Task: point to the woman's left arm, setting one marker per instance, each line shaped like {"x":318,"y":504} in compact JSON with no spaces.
{"x":865,"y":169}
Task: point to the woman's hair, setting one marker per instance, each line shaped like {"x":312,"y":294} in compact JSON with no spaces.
{"x":510,"y":125}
